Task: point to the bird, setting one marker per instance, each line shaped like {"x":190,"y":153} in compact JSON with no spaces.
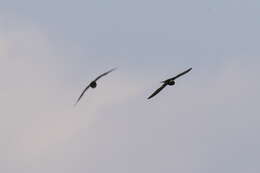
{"x":93,"y":84}
{"x":169,"y":82}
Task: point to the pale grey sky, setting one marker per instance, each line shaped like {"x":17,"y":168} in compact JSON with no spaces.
{"x":208,"y":122}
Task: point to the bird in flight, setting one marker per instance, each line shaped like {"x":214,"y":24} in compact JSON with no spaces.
{"x":169,"y":82}
{"x":93,"y":84}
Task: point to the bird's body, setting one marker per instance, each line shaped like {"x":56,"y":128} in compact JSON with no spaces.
{"x":169,"y":82}
{"x":93,"y":84}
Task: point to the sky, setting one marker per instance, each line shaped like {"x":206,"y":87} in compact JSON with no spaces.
{"x":207,"y":122}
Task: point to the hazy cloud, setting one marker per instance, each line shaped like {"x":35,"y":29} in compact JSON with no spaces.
{"x":208,"y":122}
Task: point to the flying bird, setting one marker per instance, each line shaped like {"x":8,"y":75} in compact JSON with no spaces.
{"x":93,"y":84}
{"x":169,"y":82}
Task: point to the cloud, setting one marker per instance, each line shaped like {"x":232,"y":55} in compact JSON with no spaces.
{"x":207,"y":122}
{"x":37,"y":114}
{"x":199,"y":125}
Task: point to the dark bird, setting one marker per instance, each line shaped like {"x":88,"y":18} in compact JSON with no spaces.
{"x":169,"y":82}
{"x":93,"y":84}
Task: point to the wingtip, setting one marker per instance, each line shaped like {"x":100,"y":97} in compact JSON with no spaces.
{"x":150,"y":97}
{"x":115,"y":68}
{"x":75,"y":104}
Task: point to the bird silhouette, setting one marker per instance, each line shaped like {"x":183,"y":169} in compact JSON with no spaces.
{"x":169,"y":82}
{"x":93,"y":84}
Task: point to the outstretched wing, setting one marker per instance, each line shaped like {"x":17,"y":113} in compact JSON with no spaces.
{"x":104,"y":74}
{"x":158,"y":90}
{"x":179,"y":75}
{"x":83,"y":92}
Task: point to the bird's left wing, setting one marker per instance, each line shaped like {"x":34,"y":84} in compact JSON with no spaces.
{"x":105,"y":74}
{"x":158,"y":90}
{"x":83,"y":92}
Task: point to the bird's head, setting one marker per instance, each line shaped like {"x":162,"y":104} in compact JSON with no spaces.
{"x":93,"y":84}
{"x":171,"y":82}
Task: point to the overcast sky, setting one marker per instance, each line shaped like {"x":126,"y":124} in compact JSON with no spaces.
{"x":208,"y":122}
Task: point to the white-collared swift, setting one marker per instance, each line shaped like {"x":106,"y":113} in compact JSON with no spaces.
{"x":169,"y":82}
{"x":93,"y":84}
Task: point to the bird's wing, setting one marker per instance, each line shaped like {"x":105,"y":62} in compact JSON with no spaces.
{"x":83,"y":92}
{"x":157,"y":91}
{"x":105,"y":74}
{"x":179,"y":75}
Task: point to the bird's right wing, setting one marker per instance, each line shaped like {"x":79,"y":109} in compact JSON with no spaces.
{"x":179,"y":75}
{"x":158,"y":90}
{"x":83,"y":92}
{"x":105,"y":74}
